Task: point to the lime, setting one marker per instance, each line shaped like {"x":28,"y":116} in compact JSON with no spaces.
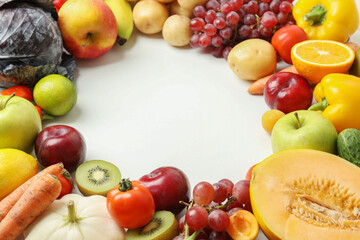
{"x":16,"y":167}
{"x":55,"y":94}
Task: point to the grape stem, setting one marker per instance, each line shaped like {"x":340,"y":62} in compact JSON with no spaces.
{"x":193,"y":236}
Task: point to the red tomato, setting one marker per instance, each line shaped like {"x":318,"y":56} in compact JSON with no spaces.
{"x":130,"y":204}
{"x":249,"y":173}
{"x":58,"y":4}
{"x":39,"y":111}
{"x":20,"y":91}
{"x":67,"y":183}
{"x":285,"y":38}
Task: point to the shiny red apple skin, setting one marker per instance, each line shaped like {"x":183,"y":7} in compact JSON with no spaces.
{"x":168,"y":186}
{"x":60,"y":143}
{"x":288,"y":92}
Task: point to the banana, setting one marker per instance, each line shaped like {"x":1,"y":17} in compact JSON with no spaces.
{"x":123,"y":14}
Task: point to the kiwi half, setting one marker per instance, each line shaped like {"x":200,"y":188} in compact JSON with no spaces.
{"x":163,"y":226}
{"x":97,"y":177}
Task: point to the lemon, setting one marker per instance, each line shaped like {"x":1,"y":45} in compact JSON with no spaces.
{"x":55,"y":94}
{"x":16,"y":167}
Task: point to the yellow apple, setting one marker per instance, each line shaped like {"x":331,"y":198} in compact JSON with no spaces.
{"x":88,"y":28}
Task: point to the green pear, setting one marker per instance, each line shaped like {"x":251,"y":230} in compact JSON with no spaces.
{"x":20,"y":123}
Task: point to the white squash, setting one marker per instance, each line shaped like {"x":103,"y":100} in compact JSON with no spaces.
{"x":86,"y":219}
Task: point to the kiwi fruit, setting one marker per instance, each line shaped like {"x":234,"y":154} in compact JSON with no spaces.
{"x":97,"y":177}
{"x":163,"y":226}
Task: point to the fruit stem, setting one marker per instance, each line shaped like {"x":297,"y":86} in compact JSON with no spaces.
{"x":47,"y":116}
{"x":121,"y":41}
{"x":125,"y":185}
{"x":316,"y":16}
{"x":71,"y":212}
{"x":193,"y":236}
{"x":10,"y":97}
{"x":298,"y":119}
{"x":320,"y":106}
{"x":228,"y":202}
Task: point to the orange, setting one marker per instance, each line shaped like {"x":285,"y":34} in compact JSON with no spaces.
{"x":313,"y":59}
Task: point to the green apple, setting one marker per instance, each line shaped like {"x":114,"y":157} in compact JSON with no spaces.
{"x":304,"y":129}
{"x":20,"y":123}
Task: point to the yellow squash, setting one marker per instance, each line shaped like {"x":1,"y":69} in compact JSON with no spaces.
{"x":338,"y":96}
{"x":327,"y":19}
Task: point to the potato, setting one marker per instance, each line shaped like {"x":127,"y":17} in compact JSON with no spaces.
{"x":176,"y":30}
{"x":166,"y":1}
{"x":252,"y":59}
{"x":190,"y":4}
{"x":175,"y":8}
{"x":149,"y":16}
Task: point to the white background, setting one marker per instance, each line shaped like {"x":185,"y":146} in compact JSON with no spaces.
{"x":147,"y":104}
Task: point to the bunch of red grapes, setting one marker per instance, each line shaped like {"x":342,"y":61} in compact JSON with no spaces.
{"x":221,"y":24}
{"x":209,"y":213}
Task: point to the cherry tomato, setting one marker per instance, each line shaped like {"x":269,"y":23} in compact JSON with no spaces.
{"x":67,"y":184}
{"x":20,"y":91}
{"x":39,"y":111}
{"x":130,"y":204}
{"x":249,"y":173}
{"x":58,"y":4}
{"x":285,"y":38}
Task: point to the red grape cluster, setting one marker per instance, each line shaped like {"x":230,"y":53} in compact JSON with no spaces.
{"x":221,"y":24}
{"x":208,"y":215}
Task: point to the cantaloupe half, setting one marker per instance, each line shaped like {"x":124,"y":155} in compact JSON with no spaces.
{"x":307,"y":195}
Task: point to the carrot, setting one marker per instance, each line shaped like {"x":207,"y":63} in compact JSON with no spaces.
{"x":257,"y":87}
{"x":42,"y":192}
{"x":9,"y":201}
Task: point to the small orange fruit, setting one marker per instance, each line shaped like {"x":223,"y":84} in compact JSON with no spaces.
{"x":243,"y":226}
{"x":313,"y":59}
{"x":269,"y":118}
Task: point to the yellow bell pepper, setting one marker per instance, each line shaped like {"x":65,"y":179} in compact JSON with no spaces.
{"x":327,"y":19}
{"x":338,"y":96}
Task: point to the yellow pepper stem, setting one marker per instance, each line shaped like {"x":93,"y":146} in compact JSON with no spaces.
{"x":316,"y":16}
{"x":320,"y":106}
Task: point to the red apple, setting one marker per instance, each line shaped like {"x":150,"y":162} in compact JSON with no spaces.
{"x":168,"y":185}
{"x":88,"y":28}
{"x":288,"y":92}
{"x":60,"y":143}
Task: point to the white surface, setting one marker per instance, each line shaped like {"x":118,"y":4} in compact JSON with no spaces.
{"x":148,"y":104}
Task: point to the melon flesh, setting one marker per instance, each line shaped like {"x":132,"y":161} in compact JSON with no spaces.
{"x":306,"y":194}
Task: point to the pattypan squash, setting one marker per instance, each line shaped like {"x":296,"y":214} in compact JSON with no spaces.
{"x":74,"y":217}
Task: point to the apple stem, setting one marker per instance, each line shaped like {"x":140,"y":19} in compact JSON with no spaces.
{"x":88,"y":36}
{"x":298,"y":119}
{"x":10,"y":97}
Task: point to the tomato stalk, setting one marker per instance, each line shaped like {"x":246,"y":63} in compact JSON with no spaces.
{"x":125,"y":185}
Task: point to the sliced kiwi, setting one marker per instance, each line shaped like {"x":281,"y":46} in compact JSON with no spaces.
{"x":163,"y":226}
{"x":97,"y":177}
